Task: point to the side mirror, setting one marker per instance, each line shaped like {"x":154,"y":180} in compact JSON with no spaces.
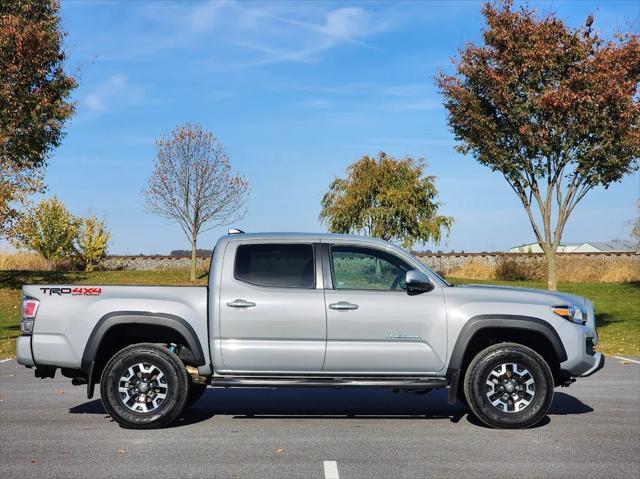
{"x":417,"y":282}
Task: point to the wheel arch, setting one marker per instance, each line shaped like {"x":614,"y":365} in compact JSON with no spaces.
{"x":153,"y":326}
{"x":479,"y":331}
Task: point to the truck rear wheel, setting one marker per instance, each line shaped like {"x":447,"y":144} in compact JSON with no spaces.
{"x":509,"y":386}
{"x":144,"y":386}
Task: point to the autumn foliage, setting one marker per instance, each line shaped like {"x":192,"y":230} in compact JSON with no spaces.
{"x":386,"y":198}
{"x":33,"y":83}
{"x":49,"y":229}
{"x":34,"y":105}
{"x":91,"y":241}
{"x":555,"y":110}
{"x":58,"y":236}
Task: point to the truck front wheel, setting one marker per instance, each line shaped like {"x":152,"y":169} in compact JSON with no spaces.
{"x":509,"y":386}
{"x":144,"y":386}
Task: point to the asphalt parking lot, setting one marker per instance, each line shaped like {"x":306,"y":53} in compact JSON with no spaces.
{"x":49,"y":429}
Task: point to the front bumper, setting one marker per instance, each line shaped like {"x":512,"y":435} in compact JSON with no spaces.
{"x":23,"y":351}
{"x":599,"y":358}
{"x":580,"y":343}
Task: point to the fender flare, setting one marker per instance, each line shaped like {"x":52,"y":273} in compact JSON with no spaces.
{"x":500,"y":321}
{"x":116,"y":318}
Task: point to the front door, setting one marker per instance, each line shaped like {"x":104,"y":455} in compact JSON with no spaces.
{"x":373,"y":325}
{"x":272,"y":314}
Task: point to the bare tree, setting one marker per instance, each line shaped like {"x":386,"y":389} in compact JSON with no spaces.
{"x":635,"y":226}
{"x":194,"y":184}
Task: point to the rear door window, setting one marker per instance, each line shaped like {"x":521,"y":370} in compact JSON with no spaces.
{"x":276,"y":265}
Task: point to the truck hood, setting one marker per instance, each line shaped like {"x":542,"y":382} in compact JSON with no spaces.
{"x":531,"y":295}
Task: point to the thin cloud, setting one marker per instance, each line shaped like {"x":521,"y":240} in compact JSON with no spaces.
{"x":272,"y":33}
{"x":397,"y":98}
{"x":184,"y":19}
{"x":415,"y":105}
{"x":409,"y":90}
{"x":414,"y":141}
{"x":168,"y":26}
{"x":275,"y":55}
{"x":308,"y":54}
{"x":404,"y":90}
{"x":342,"y":25}
{"x":204,"y":16}
{"x":314,"y":103}
{"x":115,"y":91}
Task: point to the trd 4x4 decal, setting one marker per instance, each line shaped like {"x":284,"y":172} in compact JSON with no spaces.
{"x":73,"y":291}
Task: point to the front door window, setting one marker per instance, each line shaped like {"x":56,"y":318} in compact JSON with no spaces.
{"x":367,"y":269}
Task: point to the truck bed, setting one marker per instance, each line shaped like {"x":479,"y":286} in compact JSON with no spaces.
{"x":67,"y":314}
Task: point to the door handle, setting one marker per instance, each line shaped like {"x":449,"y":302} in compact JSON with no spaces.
{"x":343,"y":306}
{"x":241,"y":303}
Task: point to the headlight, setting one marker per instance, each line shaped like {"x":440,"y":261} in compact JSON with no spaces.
{"x":572,"y":313}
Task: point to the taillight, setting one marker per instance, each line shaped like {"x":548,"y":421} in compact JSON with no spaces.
{"x":29,"y":311}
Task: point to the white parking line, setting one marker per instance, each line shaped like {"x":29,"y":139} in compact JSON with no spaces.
{"x":331,"y":470}
{"x":627,"y":359}
{"x":5,"y":360}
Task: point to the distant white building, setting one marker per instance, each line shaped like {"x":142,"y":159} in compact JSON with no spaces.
{"x":616,"y":246}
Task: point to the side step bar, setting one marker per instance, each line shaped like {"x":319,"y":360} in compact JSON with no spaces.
{"x":321,"y":382}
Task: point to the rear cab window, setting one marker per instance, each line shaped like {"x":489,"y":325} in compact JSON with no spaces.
{"x":276,"y":265}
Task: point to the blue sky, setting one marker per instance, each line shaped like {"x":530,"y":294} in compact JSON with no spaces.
{"x":295,"y":92}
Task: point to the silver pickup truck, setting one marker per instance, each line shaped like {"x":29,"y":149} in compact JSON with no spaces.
{"x":310,"y":310}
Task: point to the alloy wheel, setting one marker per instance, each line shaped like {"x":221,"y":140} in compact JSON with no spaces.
{"x":510,"y":387}
{"x":143,"y":387}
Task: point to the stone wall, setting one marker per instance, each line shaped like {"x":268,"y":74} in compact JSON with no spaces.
{"x":443,"y":262}
{"x":112,"y":263}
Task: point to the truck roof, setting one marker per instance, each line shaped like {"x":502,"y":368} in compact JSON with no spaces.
{"x":303,"y":236}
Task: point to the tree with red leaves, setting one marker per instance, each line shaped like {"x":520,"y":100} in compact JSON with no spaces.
{"x":555,"y":110}
{"x":34,"y":98}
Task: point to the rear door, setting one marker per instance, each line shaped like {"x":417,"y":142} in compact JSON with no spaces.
{"x":373,"y":325}
{"x":272,"y":313}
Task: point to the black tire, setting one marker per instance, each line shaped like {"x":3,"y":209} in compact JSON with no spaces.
{"x":173,"y":385}
{"x":509,"y":413}
{"x":196,"y":390}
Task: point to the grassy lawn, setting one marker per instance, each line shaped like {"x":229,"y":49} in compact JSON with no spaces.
{"x":617,"y":304}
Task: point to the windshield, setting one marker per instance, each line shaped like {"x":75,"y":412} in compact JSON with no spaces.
{"x":415,"y":260}
{"x":446,"y":283}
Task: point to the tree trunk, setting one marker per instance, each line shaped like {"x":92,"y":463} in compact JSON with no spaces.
{"x":552,"y":269}
{"x":193,"y":258}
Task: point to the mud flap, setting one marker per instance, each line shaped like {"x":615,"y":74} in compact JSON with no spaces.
{"x":453,"y":387}
{"x":91,"y":384}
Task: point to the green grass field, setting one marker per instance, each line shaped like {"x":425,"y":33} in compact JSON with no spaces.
{"x":617,"y":304}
